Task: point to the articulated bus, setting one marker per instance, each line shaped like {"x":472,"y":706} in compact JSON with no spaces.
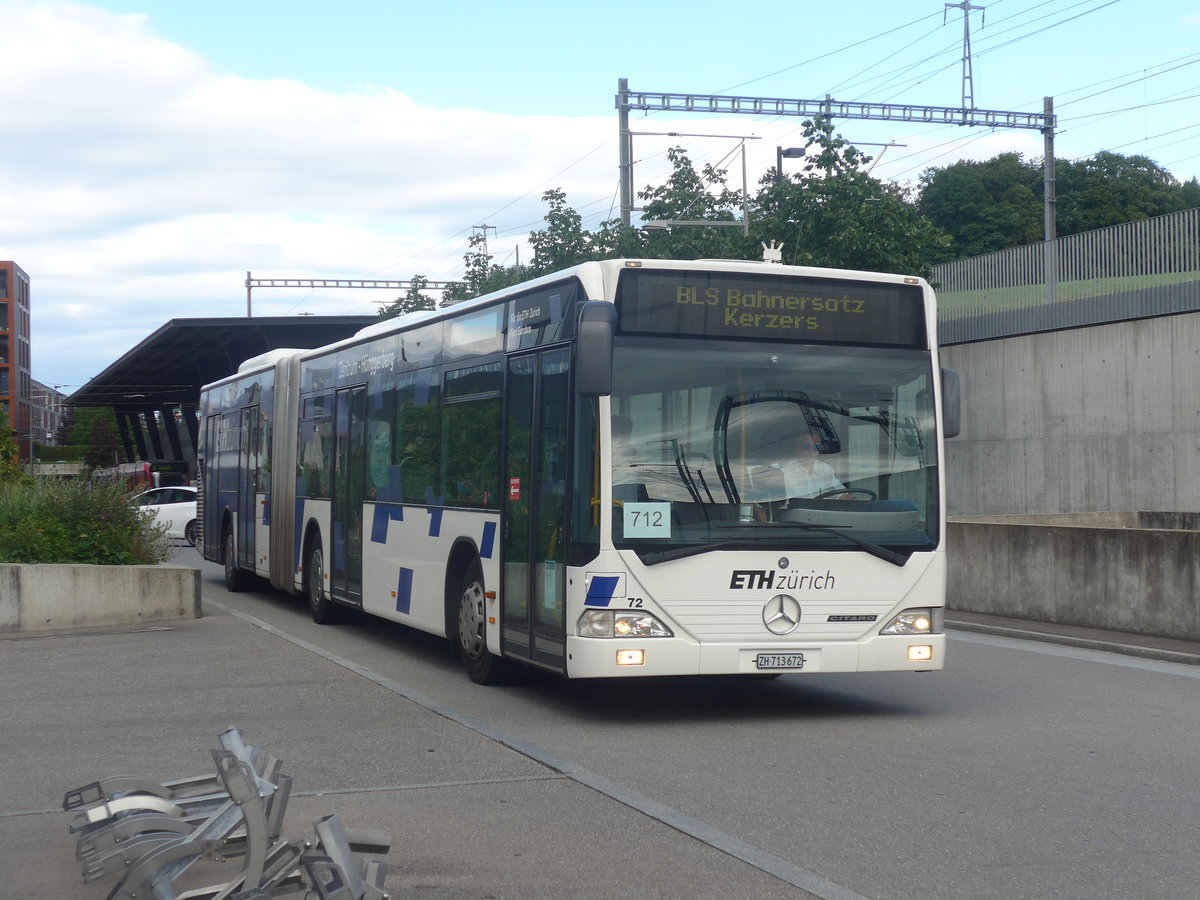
{"x":627,"y":468}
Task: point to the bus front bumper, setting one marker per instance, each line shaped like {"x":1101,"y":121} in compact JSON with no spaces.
{"x":617,"y":658}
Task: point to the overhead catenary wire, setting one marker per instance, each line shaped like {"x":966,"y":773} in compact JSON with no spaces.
{"x":1097,"y":117}
{"x":985,"y":45}
{"x":954,"y":47}
{"x":824,"y":55}
{"x":1019,"y":26}
{"x":733,"y":87}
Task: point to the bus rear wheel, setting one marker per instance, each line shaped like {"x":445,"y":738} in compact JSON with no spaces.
{"x":483,"y":667}
{"x":236,"y":579}
{"x":324,"y":611}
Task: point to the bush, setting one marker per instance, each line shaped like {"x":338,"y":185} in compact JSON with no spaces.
{"x":63,"y":453}
{"x":76,"y":521}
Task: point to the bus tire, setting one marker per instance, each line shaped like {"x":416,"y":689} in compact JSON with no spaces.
{"x":236,"y":579}
{"x":483,"y":667}
{"x":324,"y":611}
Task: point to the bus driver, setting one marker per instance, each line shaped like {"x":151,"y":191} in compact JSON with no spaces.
{"x":802,"y":477}
{"x":808,"y":476}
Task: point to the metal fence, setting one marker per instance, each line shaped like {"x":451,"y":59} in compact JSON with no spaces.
{"x":1131,"y":271}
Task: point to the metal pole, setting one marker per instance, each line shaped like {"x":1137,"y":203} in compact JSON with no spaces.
{"x":484,"y":229}
{"x":745,"y":195}
{"x":1050,"y":260}
{"x":967,"y":74}
{"x":248,"y":293}
{"x":625,"y":144}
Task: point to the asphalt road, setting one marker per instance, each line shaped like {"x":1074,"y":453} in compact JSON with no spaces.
{"x":1025,"y":769}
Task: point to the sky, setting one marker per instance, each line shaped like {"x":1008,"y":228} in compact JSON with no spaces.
{"x":155,"y":151}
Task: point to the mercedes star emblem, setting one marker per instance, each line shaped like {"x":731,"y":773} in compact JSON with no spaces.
{"x":781,"y":614}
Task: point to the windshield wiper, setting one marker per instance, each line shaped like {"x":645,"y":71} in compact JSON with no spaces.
{"x":653,"y":559}
{"x":895,"y":557}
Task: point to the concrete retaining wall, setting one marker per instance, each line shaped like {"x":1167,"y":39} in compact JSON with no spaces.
{"x":1120,"y":571}
{"x":1081,"y":420}
{"x":48,"y":597}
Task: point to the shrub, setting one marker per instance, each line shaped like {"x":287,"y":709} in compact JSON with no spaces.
{"x":76,"y":521}
{"x":61,"y":453}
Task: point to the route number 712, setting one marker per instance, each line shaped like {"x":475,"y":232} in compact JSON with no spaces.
{"x":647,"y":520}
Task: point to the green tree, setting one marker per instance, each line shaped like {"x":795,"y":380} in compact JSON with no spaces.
{"x":10,"y":466}
{"x":614,"y":240}
{"x":563,"y":242}
{"x":828,"y":154}
{"x":93,"y":431}
{"x":693,"y":195}
{"x":998,"y":203}
{"x":81,"y":420}
{"x":103,"y":445}
{"x":482,"y":275}
{"x":410,"y":301}
{"x":985,"y":206}
{"x":849,"y":222}
{"x":1109,"y":189}
{"x":833,"y":213}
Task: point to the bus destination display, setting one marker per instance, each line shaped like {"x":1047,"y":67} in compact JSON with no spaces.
{"x":727,"y":305}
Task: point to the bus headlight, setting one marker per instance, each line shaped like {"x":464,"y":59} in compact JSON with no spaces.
{"x":608,"y":623}
{"x":915,"y":621}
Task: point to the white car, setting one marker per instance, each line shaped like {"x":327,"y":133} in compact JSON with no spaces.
{"x":175,"y":506}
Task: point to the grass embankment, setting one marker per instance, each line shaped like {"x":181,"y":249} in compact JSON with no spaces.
{"x":957,"y":304}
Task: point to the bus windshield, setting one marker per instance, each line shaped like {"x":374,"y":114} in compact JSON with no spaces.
{"x":740,"y":445}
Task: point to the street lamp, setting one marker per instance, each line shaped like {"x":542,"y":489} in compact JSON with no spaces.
{"x":782,"y":153}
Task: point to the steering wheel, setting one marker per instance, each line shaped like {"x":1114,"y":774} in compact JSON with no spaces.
{"x":825,"y":495}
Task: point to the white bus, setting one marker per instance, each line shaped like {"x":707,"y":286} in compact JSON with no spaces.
{"x":631,"y":467}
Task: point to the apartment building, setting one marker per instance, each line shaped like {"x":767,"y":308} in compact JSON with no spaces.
{"x":47,"y":413}
{"x":16,"y":382}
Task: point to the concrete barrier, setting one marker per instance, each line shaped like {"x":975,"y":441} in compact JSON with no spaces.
{"x":49,"y":597}
{"x":1137,"y":572}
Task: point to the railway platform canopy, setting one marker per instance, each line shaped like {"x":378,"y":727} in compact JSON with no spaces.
{"x":154,"y":388}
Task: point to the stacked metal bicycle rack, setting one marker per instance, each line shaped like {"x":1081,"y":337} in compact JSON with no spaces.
{"x":152,"y":832}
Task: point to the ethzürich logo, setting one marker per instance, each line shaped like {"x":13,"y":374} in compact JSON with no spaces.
{"x":781,"y":614}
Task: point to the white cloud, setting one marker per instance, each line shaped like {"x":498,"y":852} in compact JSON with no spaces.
{"x":140,"y":183}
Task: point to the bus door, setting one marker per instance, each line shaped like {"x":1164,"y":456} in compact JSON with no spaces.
{"x":247,"y":477}
{"x":536,"y":405}
{"x":349,"y":491}
{"x":212,"y":475}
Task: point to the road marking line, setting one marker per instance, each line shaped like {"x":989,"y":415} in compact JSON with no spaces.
{"x":1108,"y":657}
{"x":719,"y":840}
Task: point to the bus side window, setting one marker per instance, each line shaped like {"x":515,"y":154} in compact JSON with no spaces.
{"x":316,"y":447}
{"x":379,"y":457}
{"x":416,"y":437}
{"x":470,"y":447}
{"x":471,"y":453}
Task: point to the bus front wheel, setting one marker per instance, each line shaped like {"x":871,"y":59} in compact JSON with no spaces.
{"x":323,"y":610}
{"x":483,"y":667}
